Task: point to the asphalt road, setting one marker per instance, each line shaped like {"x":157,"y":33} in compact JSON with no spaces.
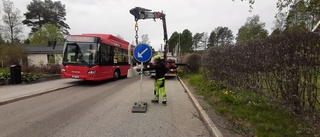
{"x":103,"y":109}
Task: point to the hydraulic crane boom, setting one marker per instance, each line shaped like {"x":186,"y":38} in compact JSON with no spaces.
{"x":142,"y":13}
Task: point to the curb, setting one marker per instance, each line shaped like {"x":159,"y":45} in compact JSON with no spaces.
{"x":204,"y":116}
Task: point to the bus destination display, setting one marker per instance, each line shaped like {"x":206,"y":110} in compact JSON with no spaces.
{"x":81,"y":39}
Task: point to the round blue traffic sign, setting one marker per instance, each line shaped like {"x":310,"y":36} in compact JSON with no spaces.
{"x":142,"y":52}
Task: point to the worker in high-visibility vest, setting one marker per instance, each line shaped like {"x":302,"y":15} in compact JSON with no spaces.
{"x":159,"y":83}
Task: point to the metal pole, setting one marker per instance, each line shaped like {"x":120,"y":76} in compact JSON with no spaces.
{"x":141,"y":73}
{"x":179,"y":49}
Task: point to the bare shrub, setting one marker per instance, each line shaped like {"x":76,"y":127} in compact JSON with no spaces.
{"x":285,"y":68}
{"x":34,"y":69}
{"x":53,"y":68}
{"x":48,"y":69}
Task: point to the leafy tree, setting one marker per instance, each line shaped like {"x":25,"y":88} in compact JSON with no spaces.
{"x":186,"y":41}
{"x":314,"y":10}
{"x":220,"y":36}
{"x":224,"y":36}
{"x":45,"y":33}
{"x":212,"y":39}
{"x":297,"y":16}
{"x":173,"y":41}
{"x":46,"y":12}
{"x":12,"y":22}
{"x":253,"y":29}
{"x":303,"y":15}
{"x":313,"y":6}
{"x":197,"y":38}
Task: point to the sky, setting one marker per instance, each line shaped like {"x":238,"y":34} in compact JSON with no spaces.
{"x":113,"y":17}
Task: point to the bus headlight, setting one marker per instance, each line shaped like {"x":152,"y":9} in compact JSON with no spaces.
{"x":63,"y":70}
{"x":91,"y":72}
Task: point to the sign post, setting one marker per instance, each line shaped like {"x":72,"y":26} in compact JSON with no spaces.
{"x":141,"y":53}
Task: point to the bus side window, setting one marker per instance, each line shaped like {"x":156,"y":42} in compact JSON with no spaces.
{"x":116,"y":57}
{"x":125,"y":56}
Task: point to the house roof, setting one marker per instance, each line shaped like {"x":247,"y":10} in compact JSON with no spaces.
{"x":40,"y":49}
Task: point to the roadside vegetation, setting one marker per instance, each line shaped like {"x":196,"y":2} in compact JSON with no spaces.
{"x":30,"y":74}
{"x":250,"y":113}
{"x":13,"y":54}
{"x":266,"y":87}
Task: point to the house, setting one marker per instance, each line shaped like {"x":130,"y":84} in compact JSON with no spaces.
{"x":42,"y":55}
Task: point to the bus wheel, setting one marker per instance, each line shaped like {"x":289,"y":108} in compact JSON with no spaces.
{"x":116,"y":75}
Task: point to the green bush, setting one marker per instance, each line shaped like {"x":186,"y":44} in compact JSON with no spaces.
{"x":27,"y":77}
{"x":4,"y":76}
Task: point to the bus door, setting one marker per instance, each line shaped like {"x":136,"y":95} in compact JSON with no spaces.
{"x":106,"y":60}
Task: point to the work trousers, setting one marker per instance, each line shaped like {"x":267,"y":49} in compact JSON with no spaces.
{"x":159,"y":86}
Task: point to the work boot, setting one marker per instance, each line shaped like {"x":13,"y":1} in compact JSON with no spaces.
{"x":164,"y":102}
{"x":154,"y":100}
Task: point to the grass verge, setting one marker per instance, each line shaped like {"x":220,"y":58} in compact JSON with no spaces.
{"x":4,"y":70}
{"x":249,"y":113}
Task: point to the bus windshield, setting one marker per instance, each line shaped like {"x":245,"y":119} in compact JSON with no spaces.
{"x":81,"y":54}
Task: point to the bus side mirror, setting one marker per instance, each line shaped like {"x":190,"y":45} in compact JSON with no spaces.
{"x":52,"y":43}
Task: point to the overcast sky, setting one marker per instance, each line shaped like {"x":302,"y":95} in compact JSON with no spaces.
{"x":113,"y":17}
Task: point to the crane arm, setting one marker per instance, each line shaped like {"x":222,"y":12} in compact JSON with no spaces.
{"x":142,"y":13}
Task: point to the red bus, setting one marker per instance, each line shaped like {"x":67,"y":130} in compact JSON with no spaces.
{"x":95,"y":57}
